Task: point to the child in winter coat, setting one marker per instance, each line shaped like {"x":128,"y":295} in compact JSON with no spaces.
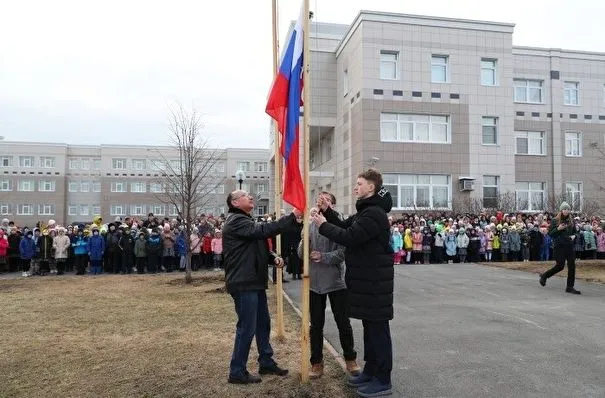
{"x":515,"y":244}
{"x":451,"y":246}
{"x":546,"y":245}
{"x":61,"y":244}
{"x":96,"y":250}
{"x":474,"y":246}
{"x":3,"y":251}
{"x":600,"y":243}
{"x":217,"y":250}
{"x":439,"y":247}
{"x":207,"y":257}
{"x":590,"y":243}
{"x":462,"y":242}
{"x":80,"y":249}
{"x":154,"y":251}
{"x":27,"y":249}
{"x":489,"y":247}
{"x":504,"y":244}
{"x":195,"y":245}
{"x":140,"y":253}
{"x":417,"y":237}
{"x":408,"y":245}
{"x":396,"y":245}
{"x":180,"y":248}
{"x":168,"y":240}
{"x":427,"y":244}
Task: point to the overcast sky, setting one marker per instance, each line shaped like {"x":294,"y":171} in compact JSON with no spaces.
{"x":86,"y":72}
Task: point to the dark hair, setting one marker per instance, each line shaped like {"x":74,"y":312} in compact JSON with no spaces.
{"x":373,"y":176}
{"x":229,"y":199}
{"x":332,"y":197}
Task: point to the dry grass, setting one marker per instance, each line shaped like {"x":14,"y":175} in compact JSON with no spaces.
{"x":135,"y":336}
{"x":588,"y":270}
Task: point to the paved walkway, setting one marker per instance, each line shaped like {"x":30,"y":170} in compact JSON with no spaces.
{"x":472,"y":331}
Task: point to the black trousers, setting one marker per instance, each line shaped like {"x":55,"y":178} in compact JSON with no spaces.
{"x":81,"y":263}
{"x":317,"y":308}
{"x":141,"y":263}
{"x":378,"y":350}
{"x":562,"y":254}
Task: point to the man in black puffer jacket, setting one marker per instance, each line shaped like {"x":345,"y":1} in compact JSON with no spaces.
{"x":246,"y":258}
{"x":369,"y":276}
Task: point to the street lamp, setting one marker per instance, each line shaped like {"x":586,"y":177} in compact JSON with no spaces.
{"x":241,"y":177}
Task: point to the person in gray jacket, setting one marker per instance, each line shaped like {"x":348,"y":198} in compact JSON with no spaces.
{"x":327,"y":272}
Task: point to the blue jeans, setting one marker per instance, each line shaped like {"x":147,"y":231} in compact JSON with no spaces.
{"x":252,"y":319}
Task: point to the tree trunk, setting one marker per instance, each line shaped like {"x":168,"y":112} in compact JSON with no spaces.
{"x":188,"y":278}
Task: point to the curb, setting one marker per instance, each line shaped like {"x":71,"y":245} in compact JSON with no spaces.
{"x":339,"y":359}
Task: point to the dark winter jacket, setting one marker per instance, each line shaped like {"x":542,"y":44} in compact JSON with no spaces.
{"x":96,"y":247}
{"x":14,"y":241}
{"x":27,"y":248}
{"x":127,"y":245}
{"x":246,"y":254}
{"x":563,"y":237}
{"x":45,"y":247}
{"x":154,"y":245}
{"x":368,"y":256}
{"x":140,"y":248}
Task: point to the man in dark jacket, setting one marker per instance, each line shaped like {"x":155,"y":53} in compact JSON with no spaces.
{"x":369,"y":276}
{"x":246,"y":259}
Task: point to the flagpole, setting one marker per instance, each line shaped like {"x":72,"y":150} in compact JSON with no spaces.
{"x":281,"y":332}
{"x":305,"y":349}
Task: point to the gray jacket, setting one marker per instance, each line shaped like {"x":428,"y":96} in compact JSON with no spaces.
{"x":328,"y":275}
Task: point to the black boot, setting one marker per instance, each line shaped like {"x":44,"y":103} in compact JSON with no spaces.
{"x":572,"y":291}
{"x":542,"y":280}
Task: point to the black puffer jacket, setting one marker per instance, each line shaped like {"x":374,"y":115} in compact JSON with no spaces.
{"x":245,"y":251}
{"x":368,"y":256}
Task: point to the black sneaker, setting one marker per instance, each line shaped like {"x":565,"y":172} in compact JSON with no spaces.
{"x":542,"y":280}
{"x":247,"y":379}
{"x":272,"y":370}
{"x":572,"y":291}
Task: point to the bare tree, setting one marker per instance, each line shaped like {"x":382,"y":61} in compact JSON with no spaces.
{"x":188,"y":177}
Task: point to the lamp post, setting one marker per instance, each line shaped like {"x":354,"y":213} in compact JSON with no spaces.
{"x":241,"y":177}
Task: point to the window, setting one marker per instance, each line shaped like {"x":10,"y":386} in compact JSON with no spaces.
{"x":571,"y":93}
{"x":158,"y":210}
{"x":46,"y":210}
{"x":138,"y":164}
{"x":96,"y":210}
{"x":74,"y":164}
{"x":5,"y":209}
{"x":96,"y":186}
{"x":25,"y":186}
{"x":245,"y":187}
{"x":439,"y":69}
{"x":531,"y":196}
{"x":6,"y":161}
{"x":118,"y":187}
{"x":26,"y":161}
{"x":530,"y":143}
{"x":25,"y":210}
{"x":138,"y":187}
{"x":85,"y":164}
{"x":345,"y":82}
{"x":96,"y":164}
{"x":220,"y":167}
{"x":73,"y":186}
{"x":488,"y":72}
{"x":46,"y":186}
{"x":175,"y":166}
{"x":261,"y":188}
{"x":418,"y":191}
{"x":5,"y":185}
{"x":491,"y":189}
{"x":529,"y":91}
{"x":261,"y":167}
{"x":573,"y":144}
{"x":172,"y":211}
{"x":156,"y":165}
{"x":490,"y":130}
{"x":155,"y":187}
{"x":85,"y":186}
{"x":574,"y":195}
{"x":220,"y":188}
{"x":47,"y":162}
{"x":388,"y":64}
{"x":414,"y":128}
{"x":84,"y":210}
{"x":118,"y":210}
{"x":72,"y":210}
{"x":118,"y":164}
{"x":137,"y":210}
{"x":243,"y":166}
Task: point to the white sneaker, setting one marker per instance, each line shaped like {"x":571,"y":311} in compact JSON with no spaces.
{"x":217,"y":269}
{"x":24,"y":273}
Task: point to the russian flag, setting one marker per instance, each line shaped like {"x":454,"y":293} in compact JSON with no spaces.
{"x":283,"y":105}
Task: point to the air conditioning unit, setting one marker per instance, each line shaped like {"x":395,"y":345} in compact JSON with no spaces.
{"x":467,"y":184}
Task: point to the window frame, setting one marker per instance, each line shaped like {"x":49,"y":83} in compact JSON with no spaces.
{"x":20,"y":208}
{"x":9,"y":161}
{"x":113,"y":211}
{"x":578,"y":139}
{"x":445,"y":66}
{"x":258,"y":170}
{"x":414,"y":186}
{"x":5,"y":209}
{"x":241,"y":163}
{"x":85,"y":186}
{"x":43,"y":162}
{"x":383,"y":61}
{"x":22,"y":160}
{"x":123,"y":184}
{"x":42,"y":209}
{"x":399,"y":134}
{"x":527,"y":137}
{"x":118,"y":161}
{"x":74,"y":208}
{"x":490,"y":186}
{"x":571,"y":200}
{"x":530,"y":191}
{"x":7,"y":183}
{"x":138,"y":184}
{"x":494,"y":126}
{"x":528,"y":89}
{"x":74,"y":164}
{"x":53,"y":186}
{"x":568,"y":91}
{"x":31,"y":183}
{"x":494,"y":70}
